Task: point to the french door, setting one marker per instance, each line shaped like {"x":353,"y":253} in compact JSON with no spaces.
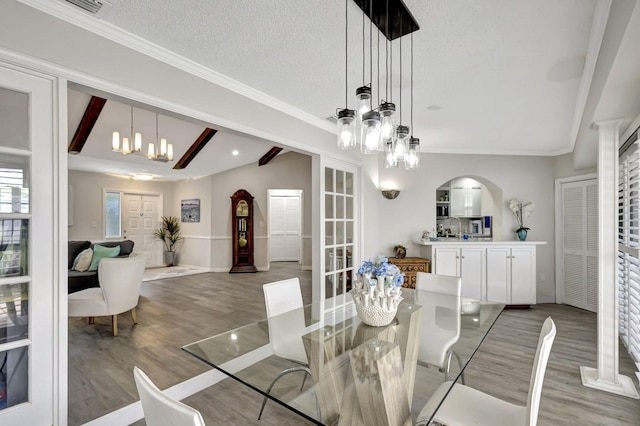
{"x":29,"y":249}
{"x":339,"y":226}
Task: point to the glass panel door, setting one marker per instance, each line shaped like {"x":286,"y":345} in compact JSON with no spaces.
{"x":27,"y":325}
{"x":340,"y":217}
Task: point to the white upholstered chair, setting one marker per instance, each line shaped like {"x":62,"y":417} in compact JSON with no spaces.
{"x":467,"y":406}
{"x":441,"y":325}
{"x":285,"y":332}
{"x":120,"y":280}
{"x":160,"y":409}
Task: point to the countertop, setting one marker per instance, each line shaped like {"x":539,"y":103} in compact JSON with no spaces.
{"x":455,"y":241}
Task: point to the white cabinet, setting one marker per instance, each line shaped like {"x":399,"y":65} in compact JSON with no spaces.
{"x":511,"y":275}
{"x":466,"y":197}
{"x":464,"y":262}
{"x":496,"y":272}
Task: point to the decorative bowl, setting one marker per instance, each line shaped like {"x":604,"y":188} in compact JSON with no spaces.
{"x":376,"y":315}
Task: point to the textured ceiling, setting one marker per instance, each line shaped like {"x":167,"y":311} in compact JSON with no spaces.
{"x":501,"y":76}
{"x":490,"y":77}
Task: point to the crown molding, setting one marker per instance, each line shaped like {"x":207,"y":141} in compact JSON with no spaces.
{"x":104,"y":29}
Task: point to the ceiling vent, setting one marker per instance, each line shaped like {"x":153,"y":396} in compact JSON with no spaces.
{"x":91,"y":6}
{"x":333,"y":119}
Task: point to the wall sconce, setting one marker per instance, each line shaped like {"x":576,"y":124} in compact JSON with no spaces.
{"x":390,"y":194}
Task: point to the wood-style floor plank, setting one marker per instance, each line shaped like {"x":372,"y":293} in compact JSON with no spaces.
{"x":180,"y":310}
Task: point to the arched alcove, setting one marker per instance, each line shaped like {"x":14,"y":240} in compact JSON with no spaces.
{"x":464,"y":201}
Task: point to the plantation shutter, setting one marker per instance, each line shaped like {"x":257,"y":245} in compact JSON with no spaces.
{"x":629,"y":248}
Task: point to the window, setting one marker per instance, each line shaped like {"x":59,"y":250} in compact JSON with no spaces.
{"x":112,"y":215}
{"x":629,"y":248}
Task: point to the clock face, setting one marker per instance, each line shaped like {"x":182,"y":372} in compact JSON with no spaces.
{"x":242,"y":209}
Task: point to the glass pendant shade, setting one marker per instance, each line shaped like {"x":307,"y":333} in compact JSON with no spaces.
{"x":402,"y":142}
{"x":370,"y":139}
{"x":363,"y":100}
{"x":346,"y":129}
{"x":412,"y":157}
{"x":363,"y":105}
{"x":387,"y":127}
{"x":137,"y":142}
{"x":126,"y":149}
{"x":115,"y":141}
{"x":389,"y":155}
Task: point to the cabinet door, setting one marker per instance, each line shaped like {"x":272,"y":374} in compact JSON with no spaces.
{"x":458,"y":199}
{"x":447,"y":261}
{"x":475,"y":198}
{"x":523,"y":275}
{"x":498,"y":274}
{"x":472,"y":272}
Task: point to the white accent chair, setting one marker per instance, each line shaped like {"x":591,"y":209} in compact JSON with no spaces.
{"x":160,"y":409}
{"x":120,"y":281}
{"x":285,"y":332}
{"x":466,"y":406}
{"x":441,"y":325}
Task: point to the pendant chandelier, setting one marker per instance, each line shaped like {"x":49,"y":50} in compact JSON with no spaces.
{"x":374,"y":128}
{"x":134,"y":145}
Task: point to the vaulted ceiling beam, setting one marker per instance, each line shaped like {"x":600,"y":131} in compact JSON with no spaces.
{"x":91,"y":114}
{"x":269,"y":155}
{"x":195,"y":148}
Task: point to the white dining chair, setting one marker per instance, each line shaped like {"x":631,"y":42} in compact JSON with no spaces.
{"x":120,"y":281}
{"x":441,"y":324}
{"x":160,"y":409}
{"x":285,"y":332}
{"x":467,"y":406}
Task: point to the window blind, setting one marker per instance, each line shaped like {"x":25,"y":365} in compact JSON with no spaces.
{"x":629,"y":248}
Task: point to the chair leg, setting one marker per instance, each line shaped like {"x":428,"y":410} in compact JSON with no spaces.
{"x":92,"y":320}
{"x":114,"y":325}
{"x":446,"y":371}
{"x":134,"y":316}
{"x":273,"y":382}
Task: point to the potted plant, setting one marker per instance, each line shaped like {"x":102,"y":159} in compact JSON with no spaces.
{"x":169,"y":234}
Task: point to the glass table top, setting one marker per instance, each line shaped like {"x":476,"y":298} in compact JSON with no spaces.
{"x":355,"y":371}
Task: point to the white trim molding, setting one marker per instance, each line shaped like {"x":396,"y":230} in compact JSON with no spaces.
{"x":606,"y":376}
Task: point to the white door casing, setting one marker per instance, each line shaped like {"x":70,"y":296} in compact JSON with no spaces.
{"x":285,"y":225}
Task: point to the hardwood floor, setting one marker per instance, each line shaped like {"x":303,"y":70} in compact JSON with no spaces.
{"x":177,"y":311}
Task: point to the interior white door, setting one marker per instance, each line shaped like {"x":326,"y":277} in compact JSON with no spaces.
{"x":139,"y":220}
{"x":30,"y":331}
{"x":580,"y":244}
{"x":285,"y":228}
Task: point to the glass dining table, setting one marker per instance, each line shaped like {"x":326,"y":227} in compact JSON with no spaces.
{"x":356,"y":374}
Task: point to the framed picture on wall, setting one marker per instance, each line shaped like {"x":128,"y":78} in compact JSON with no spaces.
{"x":190,"y":210}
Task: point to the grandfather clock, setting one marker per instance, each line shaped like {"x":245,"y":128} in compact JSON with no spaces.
{"x":242,"y":234}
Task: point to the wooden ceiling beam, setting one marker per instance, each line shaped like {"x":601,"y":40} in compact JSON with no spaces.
{"x":91,"y":114}
{"x":269,"y":155}
{"x":195,"y":148}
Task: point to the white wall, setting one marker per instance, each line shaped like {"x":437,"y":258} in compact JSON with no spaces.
{"x":195,"y":249}
{"x":286,"y":171}
{"x":88,"y":222}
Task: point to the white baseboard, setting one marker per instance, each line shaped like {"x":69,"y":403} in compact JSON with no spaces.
{"x":307,"y":268}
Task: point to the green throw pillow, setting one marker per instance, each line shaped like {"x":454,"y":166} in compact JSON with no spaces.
{"x":100,"y":252}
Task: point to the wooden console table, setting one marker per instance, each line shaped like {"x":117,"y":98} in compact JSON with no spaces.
{"x":409,"y":266}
